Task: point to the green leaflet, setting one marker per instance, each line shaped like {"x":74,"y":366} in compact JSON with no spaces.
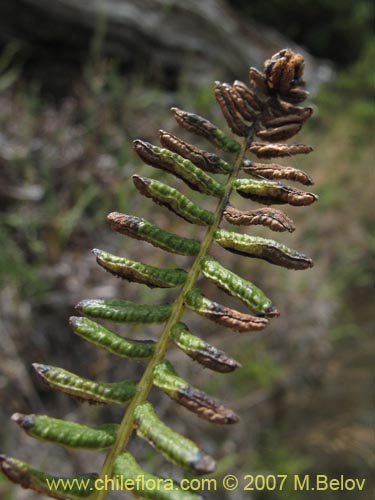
{"x":115,"y":344}
{"x":69,"y":434}
{"x":84,"y":389}
{"x":237,"y":287}
{"x":272,"y":192}
{"x":23,"y":474}
{"x":145,"y":485}
{"x":182,"y":168}
{"x":208,"y":162}
{"x":204,"y":128}
{"x":141,"y":229}
{"x":194,"y":400}
{"x":174,"y":200}
{"x":230,"y":318}
{"x":123,"y":311}
{"x":172,"y":445}
{"x":139,"y":272}
{"x":206,"y":354}
{"x":262,"y":248}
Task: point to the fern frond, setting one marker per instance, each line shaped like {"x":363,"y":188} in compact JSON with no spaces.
{"x":263,"y":117}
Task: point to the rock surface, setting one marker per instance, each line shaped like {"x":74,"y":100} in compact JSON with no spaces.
{"x":161,"y":37}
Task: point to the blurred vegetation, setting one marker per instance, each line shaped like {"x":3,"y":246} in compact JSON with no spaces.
{"x":65,"y":165}
{"x":334,"y":29}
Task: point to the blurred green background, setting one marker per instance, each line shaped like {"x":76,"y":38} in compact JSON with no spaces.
{"x":305,"y":392}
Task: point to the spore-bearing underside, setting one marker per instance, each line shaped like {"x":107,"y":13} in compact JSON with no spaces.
{"x":263,"y":115}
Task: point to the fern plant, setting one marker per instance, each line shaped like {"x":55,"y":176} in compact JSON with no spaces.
{"x":263,"y":116}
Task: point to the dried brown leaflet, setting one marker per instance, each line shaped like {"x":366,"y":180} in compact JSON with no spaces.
{"x":264,"y":150}
{"x":204,"y":406}
{"x":281,"y":133}
{"x":209,"y":162}
{"x":204,"y":128}
{"x":242,"y":106}
{"x":229,"y":110}
{"x":224,"y":316}
{"x":270,"y":217}
{"x":248,"y":95}
{"x":258,"y":80}
{"x":276,"y":171}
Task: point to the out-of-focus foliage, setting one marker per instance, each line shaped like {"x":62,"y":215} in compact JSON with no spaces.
{"x":354,"y":90}
{"x":9,"y":72}
{"x":59,"y":165}
{"x":334,"y":29}
{"x":65,"y":166}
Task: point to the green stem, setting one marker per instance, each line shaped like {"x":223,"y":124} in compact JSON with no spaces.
{"x":145,"y":384}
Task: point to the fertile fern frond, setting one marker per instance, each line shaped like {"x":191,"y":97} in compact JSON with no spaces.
{"x":263,"y":116}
